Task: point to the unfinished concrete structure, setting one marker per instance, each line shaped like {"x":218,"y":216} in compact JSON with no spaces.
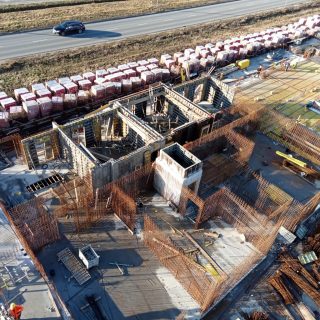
{"x":120,"y":138}
{"x":231,"y":198}
{"x":211,"y":94}
{"x":176,"y":168}
{"x":104,"y":146}
{"x":173,"y":116}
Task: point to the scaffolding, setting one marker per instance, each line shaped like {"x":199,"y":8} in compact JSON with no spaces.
{"x":193,"y":277}
{"x":291,"y":134}
{"x":37,"y":226}
{"x":243,"y":122}
{"x":15,"y":139}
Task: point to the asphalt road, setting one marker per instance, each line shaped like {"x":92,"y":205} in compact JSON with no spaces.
{"x":29,"y":43}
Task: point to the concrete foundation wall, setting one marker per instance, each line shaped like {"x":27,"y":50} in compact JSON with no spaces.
{"x":133,"y":161}
{"x":74,"y":155}
{"x":101,"y":175}
{"x":169,"y":183}
{"x":176,"y":168}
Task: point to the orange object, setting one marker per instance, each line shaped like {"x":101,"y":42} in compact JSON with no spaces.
{"x":15,"y":311}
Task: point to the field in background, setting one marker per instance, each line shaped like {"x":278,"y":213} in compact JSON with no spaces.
{"x":25,"y":71}
{"x":47,"y":14}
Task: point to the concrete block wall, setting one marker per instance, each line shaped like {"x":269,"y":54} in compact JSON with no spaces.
{"x":216,"y":92}
{"x":102,"y":174}
{"x":188,"y":89}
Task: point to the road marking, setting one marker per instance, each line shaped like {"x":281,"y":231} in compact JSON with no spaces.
{"x":35,"y":41}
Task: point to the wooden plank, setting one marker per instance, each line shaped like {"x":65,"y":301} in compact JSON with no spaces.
{"x":205,"y":254}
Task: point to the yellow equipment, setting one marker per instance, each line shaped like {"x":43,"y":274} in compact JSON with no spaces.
{"x":243,"y":64}
{"x":183,"y":75}
{"x":210,"y":269}
{"x":291,"y":159}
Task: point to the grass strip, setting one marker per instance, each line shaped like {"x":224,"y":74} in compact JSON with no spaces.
{"x":47,"y":14}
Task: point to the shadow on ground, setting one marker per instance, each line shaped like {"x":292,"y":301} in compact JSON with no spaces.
{"x":98,"y":34}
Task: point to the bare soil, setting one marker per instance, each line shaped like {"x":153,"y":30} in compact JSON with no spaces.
{"x":28,"y":70}
{"x":43,"y":15}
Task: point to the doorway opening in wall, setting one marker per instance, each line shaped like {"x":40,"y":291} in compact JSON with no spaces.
{"x":192,"y":210}
{"x":198,"y":93}
{"x":192,"y":187}
{"x":205,"y":130}
{"x":154,"y":155}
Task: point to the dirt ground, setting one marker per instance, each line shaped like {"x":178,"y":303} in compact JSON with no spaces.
{"x":47,"y":17}
{"x":25,"y":71}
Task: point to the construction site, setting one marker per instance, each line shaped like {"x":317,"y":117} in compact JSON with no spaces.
{"x":196,"y":200}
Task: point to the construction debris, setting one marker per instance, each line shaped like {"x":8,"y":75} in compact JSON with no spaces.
{"x":257,"y":315}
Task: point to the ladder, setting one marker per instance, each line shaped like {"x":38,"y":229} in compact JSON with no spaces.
{"x":89,"y":134}
{"x":211,"y":70}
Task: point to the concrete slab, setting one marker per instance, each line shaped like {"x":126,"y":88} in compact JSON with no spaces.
{"x":20,"y":281}
{"x":289,"y":92}
{"x":228,"y":251}
{"x":294,"y":185}
{"x":140,"y":293}
{"x":15,"y":179}
{"x":231,"y":248}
